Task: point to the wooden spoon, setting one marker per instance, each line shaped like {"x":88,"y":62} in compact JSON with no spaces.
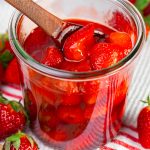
{"x":51,"y":24}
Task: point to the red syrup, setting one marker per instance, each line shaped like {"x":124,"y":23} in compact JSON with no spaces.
{"x":80,"y":114}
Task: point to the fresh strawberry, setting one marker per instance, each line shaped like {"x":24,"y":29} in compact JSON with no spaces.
{"x":122,"y":39}
{"x":8,"y":47}
{"x":12,"y":73}
{"x":82,"y":66}
{"x":20,"y":141}
{"x":6,"y":57}
{"x":70,"y":114}
{"x":5,"y":44}
{"x":76,"y":46}
{"x":1,"y":72}
{"x":12,"y":117}
{"x":30,"y":105}
{"x":143,"y":125}
{"x":104,"y":55}
{"x":53,"y":57}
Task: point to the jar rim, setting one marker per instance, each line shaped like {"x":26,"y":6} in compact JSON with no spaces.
{"x":57,"y":73}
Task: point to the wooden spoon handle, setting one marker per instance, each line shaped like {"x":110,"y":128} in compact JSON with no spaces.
{"x":47,"y":21}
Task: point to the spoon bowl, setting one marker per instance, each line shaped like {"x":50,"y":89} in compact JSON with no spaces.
{"x":50,"y":23}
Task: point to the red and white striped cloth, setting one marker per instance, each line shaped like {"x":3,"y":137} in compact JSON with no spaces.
{"x":127,"y":139}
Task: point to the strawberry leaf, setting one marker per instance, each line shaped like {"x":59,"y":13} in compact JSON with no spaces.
{"x":147,"y":101}
{"x":16,"y":144}
{"x":6,"y":56}
{"x":15,"y":105}
{"x":3,"y":100}
{"x":142,"y":4}
{"x":14,"y":140}
{"x":15,"y":137}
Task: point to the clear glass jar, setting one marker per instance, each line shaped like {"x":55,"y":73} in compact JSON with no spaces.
{"x":96,"y":99}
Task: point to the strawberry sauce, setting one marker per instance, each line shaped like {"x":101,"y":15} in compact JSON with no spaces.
{"x":79,"y":114}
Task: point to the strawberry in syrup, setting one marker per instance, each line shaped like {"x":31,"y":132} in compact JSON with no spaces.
{"x":104,"y":55}
{"x":76,"y":46}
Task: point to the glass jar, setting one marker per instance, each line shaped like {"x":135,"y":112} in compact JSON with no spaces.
{"x":78,"y":110}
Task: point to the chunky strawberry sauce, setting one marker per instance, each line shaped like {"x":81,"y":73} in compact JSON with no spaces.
{"x":77,"y":111}
{"x":83,"y":50}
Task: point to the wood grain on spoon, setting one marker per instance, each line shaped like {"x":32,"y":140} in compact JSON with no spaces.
{"x":47,"y":21}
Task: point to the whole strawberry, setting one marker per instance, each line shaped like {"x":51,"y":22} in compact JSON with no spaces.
{"x":20,"y":141}
{"x":12,"y":117}
{"x":143,"y":125}
{"x":1,"y":72}
{"x":12,"y":73}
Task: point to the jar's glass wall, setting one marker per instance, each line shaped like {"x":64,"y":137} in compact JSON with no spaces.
{"x":81,"y":113}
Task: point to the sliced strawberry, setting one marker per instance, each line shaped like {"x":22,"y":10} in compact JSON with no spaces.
{"x":89,"y":87}
{"x":71,"y":99}
{"x":70,"y":114}
{"x":59,"y":134}
{"x":90,"y":98}
{"x":88,"y":112}
{"x":12,"y":73}
{"x":76,"y":46}
{"x":121,"y":92}
{"x":37,"y":40}
{"x":53,"y":57}
{"x":104,"y":55}
{"x":30,"y":105}
{"x":45,"y":92}
{"x":62,"y":86}
{"x":68,"y":87}
{"x":82,"y":66}
{"x":47,"y":117}
{"x":122,"y":39}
